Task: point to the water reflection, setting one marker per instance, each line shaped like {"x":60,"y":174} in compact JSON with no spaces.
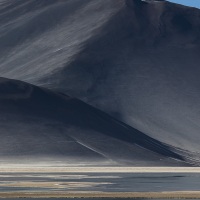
{"x":105,"y":182}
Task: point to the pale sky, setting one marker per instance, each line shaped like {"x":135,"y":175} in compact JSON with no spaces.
{"x":193,"y":3}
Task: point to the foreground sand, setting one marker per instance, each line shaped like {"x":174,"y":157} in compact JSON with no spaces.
{"x":150,"y":195}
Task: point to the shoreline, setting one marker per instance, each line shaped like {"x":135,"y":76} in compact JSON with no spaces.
{"x":39,"y":169}
{"x":147,"y":195}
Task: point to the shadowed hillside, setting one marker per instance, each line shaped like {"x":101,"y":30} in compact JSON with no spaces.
{"x":134,"y":60}
{"x":38,"y":124}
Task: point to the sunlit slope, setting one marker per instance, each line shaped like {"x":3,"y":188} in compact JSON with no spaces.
{"x":39,"y":125}
{"x":39,"y":36}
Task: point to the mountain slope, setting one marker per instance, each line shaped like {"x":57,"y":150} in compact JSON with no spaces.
{"x":37,"y":124}
{"x":137,"y":61}
{"x":143,"y":68}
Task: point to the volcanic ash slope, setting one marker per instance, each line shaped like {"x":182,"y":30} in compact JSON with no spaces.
{"x":37,"y":125}
{"x":137,"y":61}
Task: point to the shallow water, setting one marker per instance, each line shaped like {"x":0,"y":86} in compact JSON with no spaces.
{"x":104,"y":182}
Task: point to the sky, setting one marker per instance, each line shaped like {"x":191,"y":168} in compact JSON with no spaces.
{"x":193,"y":3}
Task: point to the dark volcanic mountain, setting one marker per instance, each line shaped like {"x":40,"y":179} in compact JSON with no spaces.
{"x":37,"y":124}
{"x":137,"y":61}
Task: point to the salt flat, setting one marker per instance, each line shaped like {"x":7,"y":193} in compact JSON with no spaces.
{"x":31,"y":169}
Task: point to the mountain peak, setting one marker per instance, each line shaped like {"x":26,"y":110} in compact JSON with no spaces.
{"x":140,"y":2}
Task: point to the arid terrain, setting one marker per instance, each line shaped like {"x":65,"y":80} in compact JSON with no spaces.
{"x":99,"y":98}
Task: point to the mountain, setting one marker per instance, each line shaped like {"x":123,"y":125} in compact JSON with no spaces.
{"x":137,"y":61}
{"x":39,"y":125}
